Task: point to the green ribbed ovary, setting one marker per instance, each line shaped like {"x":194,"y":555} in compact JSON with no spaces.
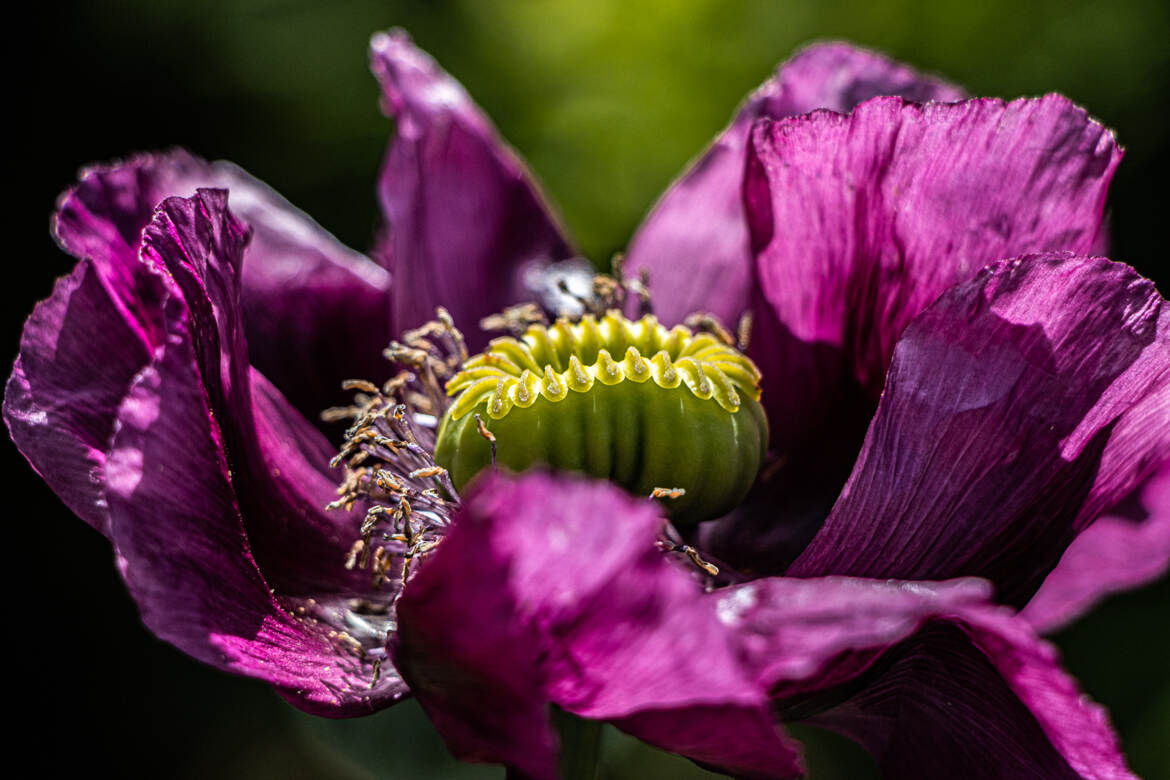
{"x":631,"y":402}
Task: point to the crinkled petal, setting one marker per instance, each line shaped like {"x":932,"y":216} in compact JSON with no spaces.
{"x":184,"y":554}
{"x":990,"y":449}
{"x":929,"y":677}
{"x":308,"y":300}
{"x":976,"y":695}
{"x":694,"y":243}
{"x":1127,"y":547}
{"x":466,"y":220}
{"x":78,"y":354}
{"x":280,"y":462}
{"x":859,"y":221}
{"x":551,"y":589}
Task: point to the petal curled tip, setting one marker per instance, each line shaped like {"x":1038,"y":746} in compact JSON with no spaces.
{"x":1126,"y":547}
{"x":1032,"y":381}
{"x":839,"y":75}
{"x":412,"y":81}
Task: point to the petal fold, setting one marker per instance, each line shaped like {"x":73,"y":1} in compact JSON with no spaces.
{"x":283,"y":481}
{"x":183,"y":552}
{"x":79,"y":352}
{"x":926,"y":675}
{"x":1008,"y":423}
{"x":308,"y":300}
{"x":976,"y":695}
{"x":466,"y":220}
{"x":1125,"y":548}
{"x":552,"y":589}
{"x":694,"y":242}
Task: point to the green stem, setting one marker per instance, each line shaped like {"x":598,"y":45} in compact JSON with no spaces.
{"x":580,"y":745}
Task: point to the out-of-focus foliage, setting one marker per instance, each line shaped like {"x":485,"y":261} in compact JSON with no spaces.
{"x":607,"y":99}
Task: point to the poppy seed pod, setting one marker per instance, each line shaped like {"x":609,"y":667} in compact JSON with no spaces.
{"x":675,"y":411}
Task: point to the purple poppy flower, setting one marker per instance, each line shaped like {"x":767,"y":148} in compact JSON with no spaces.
{"x":970,"y":415}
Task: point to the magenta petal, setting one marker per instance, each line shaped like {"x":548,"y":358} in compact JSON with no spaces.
{"x":282,"y":477}
{"x":78,"y":354}
{"x":926,"y":675}
{"x":694,"y":243}
{"x":314,"y":310}
{"x":185,"y":557}
{"x":466,"y":219}
{"x":859,"y":221}
{"x":299,"y":283}
{"x":1127,"y":547}
{"x":976,"y":695}
{"x":551,"y":589}
{"x":996,"y":439}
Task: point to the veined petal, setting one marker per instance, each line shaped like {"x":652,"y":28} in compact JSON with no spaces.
{"x":307,"y":299}
{"x":184,"y":553}
{"x":694,"y":242}
{"x":996,"y":439}
{"x":466,"y":220}
{"x":78,"y":354}
{"x":859,"y":221}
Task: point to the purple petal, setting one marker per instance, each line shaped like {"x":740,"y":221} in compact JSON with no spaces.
{"x":314,"y":310}
{"x":466,"y":219}
{"x":280,"y":462}
{"x":78,"y":354}
{"x":789,"y":629}
{"x":995,"y":440}
{"x":975,"y":696}
{"x":308,"y":300}
{"x":551,"y":589}
{"x":859,"y":221}
{"x":134,"y":397}
{"x":927,"y":676}
{"x":1127,"y":547}
{"x":694,"y":243}
{"x":184,"y":554}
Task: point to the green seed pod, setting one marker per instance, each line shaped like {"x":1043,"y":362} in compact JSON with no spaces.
{"x":631,"y":402}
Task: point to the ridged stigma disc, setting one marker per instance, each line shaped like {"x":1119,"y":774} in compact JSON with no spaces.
{"x":631,"y":402}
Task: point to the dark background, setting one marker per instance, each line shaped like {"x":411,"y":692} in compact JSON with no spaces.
{"x":607,"y":99}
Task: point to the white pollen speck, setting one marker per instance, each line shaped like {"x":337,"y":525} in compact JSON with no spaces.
{"x":732,"y":607}
{"x":444,"y":94}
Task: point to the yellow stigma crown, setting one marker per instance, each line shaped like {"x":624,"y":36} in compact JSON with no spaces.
{"x":550,"y":361}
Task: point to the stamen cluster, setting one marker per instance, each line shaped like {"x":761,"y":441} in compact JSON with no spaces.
{"x":388,"y":454}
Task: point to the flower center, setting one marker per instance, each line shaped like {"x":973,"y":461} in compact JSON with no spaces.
{"x":657,"y":411}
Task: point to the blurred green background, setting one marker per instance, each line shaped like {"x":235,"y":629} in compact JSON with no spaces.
{"x":607,"y":99}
